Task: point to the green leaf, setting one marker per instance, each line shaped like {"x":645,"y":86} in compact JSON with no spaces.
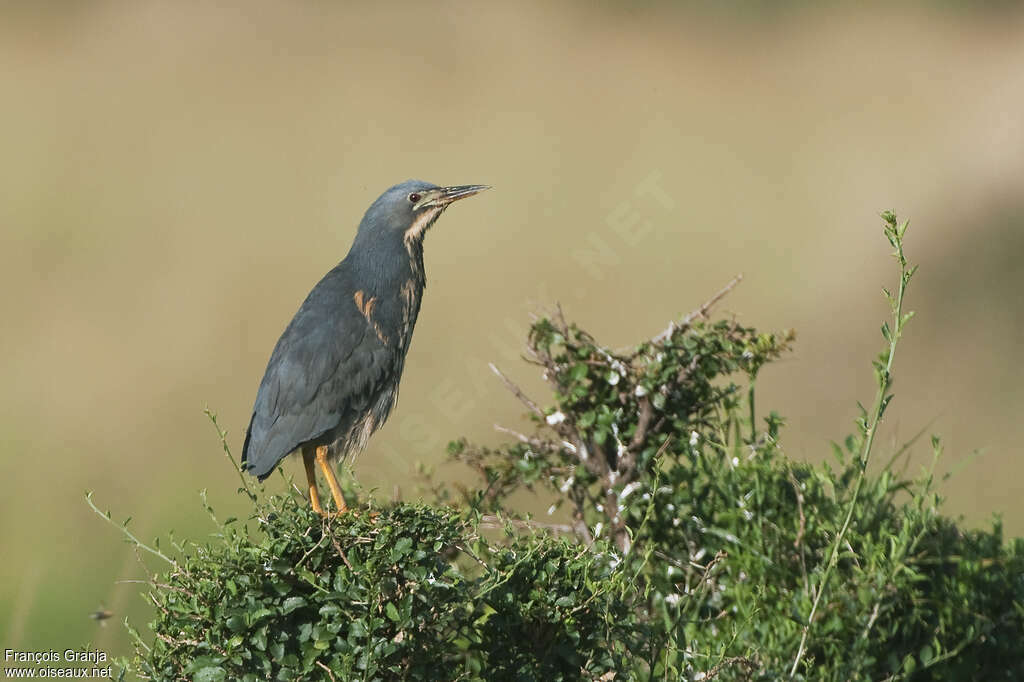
{"x":401,"y":548}
{"x":210,"y":674}
{"x":292,"y":603}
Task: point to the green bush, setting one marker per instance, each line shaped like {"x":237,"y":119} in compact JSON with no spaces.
{"x":693,"y":548}
{"x":399,"y":594}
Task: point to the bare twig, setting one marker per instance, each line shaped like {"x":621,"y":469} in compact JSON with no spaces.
{"x":522,"y":437}
{"x":517,"y":392}
{"x":312,"y":549}
{"x":643,"y":423}
{"x":905,"y":448}
{"x":329,"y":673}
{"x":702,"y":311}
{"x":871,"y":619}
{"x":560,"y":316}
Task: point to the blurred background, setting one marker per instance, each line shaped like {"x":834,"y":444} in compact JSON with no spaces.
{"x":176,"y":176}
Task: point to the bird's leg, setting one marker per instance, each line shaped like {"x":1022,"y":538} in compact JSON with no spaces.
{"x":314,"y":496}
{"x":332,"y":481}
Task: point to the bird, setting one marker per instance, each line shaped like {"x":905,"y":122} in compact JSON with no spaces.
{"x":332,"y":378}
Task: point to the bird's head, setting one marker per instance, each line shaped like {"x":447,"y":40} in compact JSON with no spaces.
{"x":406,"y":211}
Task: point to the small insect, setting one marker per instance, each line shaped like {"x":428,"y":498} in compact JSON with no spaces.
{"x":101,"y":615}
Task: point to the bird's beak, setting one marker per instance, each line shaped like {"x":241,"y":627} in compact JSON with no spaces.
{"x":446,"y":195}
{"x":450,"y":194}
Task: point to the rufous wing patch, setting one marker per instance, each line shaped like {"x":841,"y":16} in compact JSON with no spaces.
{"x":365,"y":306}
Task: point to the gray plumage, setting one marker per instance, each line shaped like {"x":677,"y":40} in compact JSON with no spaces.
{"x":333,"y":376}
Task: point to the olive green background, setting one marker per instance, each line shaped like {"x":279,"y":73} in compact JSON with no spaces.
{"x":175,"y":178}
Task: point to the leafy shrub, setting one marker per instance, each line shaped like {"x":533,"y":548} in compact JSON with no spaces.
{"x":694,"y":548}
{"x":408,"y":592}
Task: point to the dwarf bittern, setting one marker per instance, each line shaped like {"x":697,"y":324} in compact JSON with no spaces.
{"x":333,"y":376}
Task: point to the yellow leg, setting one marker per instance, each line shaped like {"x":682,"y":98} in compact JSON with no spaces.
{"x":314,"y":496}
{"x":332,"y":481}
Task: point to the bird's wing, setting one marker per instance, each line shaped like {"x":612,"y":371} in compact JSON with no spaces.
{"x":325,"y":369}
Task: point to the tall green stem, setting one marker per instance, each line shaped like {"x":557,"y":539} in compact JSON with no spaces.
{"x":868,"y":423}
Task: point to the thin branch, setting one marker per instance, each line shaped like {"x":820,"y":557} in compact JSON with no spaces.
{"x":597,"y":465}
{"x":517,"y":392}
{"x":909,"y":444}
{"x":702,"y":311}
{"x":560,"y":316}
{"x":871,"y":620}
{"x":329,"y":673}
{"x":522,"y":437}
{"x":128,"y":534}
{"x":492,"y":521}
{"x":643,"y":423}
{"x":223,"y":435}
{"x":312,"y":549}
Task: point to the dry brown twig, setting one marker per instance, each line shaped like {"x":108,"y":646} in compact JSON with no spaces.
{"x":702,"y":311}
{"x":329,"y":673}
{"x":516,"y":391}
{"x":522,"y":437}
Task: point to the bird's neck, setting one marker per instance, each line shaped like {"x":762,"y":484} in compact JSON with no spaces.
{"x":394,"y":282}
{"x":414,"y":249}
{"x":395,"y":277}
{"x":390,"y":266}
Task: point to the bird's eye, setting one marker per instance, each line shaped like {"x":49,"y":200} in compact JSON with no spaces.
{"x":414,"y":197}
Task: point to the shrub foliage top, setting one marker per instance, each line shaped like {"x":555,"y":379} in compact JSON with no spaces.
{"x":409,"y":592}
